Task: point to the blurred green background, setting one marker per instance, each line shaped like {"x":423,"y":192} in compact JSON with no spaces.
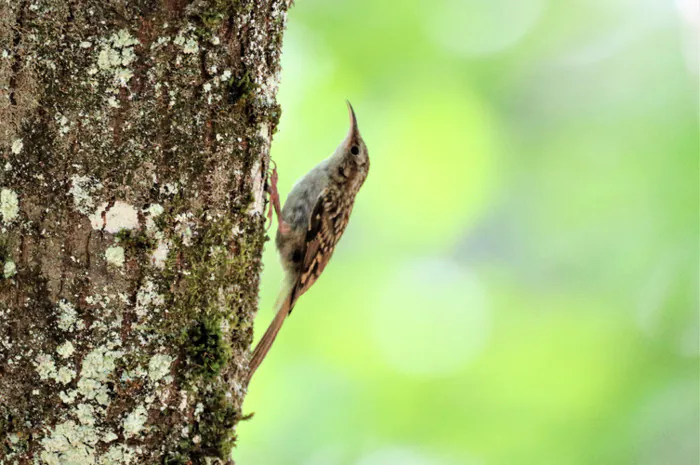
{"x":519,"y":281}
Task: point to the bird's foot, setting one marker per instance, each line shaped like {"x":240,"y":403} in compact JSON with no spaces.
{"x":283,"y":226}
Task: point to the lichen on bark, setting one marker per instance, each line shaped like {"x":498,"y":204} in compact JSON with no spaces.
{"x":135,"y":138}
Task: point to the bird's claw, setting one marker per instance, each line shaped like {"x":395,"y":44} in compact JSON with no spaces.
{"x":274,"y":196}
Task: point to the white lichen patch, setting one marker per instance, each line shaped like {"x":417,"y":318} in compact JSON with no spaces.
{"x":99,"y":363}
{"x":210,"y":87}
{"x":119,"y":454}
{"x":198,"y":409}
{"x":171,"y":103}
{"x":96,"y":368}
{"x":63,"y":124}
{"x":184,"y":227}
{"x":65,"y":375}
{"x":85,"y":414}
{"x":17,"y":146}
{"x":66,"y":349}
{"x":151,"y":213}
{"x":147,"y":298}
{"x":67,"y":316}
{"x":45,"y":366}
{"x":135,"y":373}
{"x":9,"y":269}
{"x":122,"y":76}
{"x":191,"y":46}
{"x":169,"y":188}
{"x":109,"y":437}
{"x":187,"y":41}
{"x":160,"y":254}
{"x":91,"y":389}
{"x":160,"y":42}
{"x":155,"y":210}
{"x":115,"y":256}
{"x":257,"y":205}
{"x":183,"y":401}
{"x":116,"y":55}
{"x":159,"y":366}
{"x":123,"y":39}
{"x":82,"y":188}
{"x":102,"y":301}
{"x":9,"y":205}
{"x":134,"y":422}
{"x":225,"y":324}
{"x":268,"y":90}
{"x":68,"y":397}
{"x":207,"y":90}
{"x":69,"y":444}
{"x":120,"y":216}
{"x":108,"y":57}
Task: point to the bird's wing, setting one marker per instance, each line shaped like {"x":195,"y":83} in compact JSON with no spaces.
{"x":326,"y":224}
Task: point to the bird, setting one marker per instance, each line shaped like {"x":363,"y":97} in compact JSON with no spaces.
{"x":313,"y":219}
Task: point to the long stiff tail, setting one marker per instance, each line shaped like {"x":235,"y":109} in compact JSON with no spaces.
{"x":283,"y":307}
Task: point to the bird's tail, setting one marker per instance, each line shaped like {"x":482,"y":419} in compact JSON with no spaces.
{"x":284,"y":304}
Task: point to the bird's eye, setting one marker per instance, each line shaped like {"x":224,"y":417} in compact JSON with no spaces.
{"x":354,"y":150}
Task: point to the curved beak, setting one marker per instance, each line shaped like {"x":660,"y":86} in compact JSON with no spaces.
{"x":354,"y":132}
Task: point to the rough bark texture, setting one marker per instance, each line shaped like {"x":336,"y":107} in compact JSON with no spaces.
{"x":134,"y":137}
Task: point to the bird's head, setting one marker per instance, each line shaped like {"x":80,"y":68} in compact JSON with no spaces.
{"x":351,"y":161}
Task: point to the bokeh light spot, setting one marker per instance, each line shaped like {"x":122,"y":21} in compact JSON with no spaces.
{"x":432,"y":168}
{"x":477,"y":27}
{"x":432,"y":320}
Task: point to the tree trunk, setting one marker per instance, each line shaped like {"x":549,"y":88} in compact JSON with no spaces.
{"x":135,"y":140}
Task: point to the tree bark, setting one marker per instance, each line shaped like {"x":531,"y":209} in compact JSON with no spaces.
{"x":135,"y":140}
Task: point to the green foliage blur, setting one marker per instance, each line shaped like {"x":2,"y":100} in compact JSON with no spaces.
{"x":518,"y":284}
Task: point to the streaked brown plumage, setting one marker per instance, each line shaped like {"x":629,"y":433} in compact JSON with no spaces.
{"x":311,"y":223}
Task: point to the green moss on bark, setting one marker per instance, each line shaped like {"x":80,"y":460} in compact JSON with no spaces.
{"x":206,"y":348}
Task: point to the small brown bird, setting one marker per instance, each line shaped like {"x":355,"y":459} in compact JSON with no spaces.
{"x":314,"y":217}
